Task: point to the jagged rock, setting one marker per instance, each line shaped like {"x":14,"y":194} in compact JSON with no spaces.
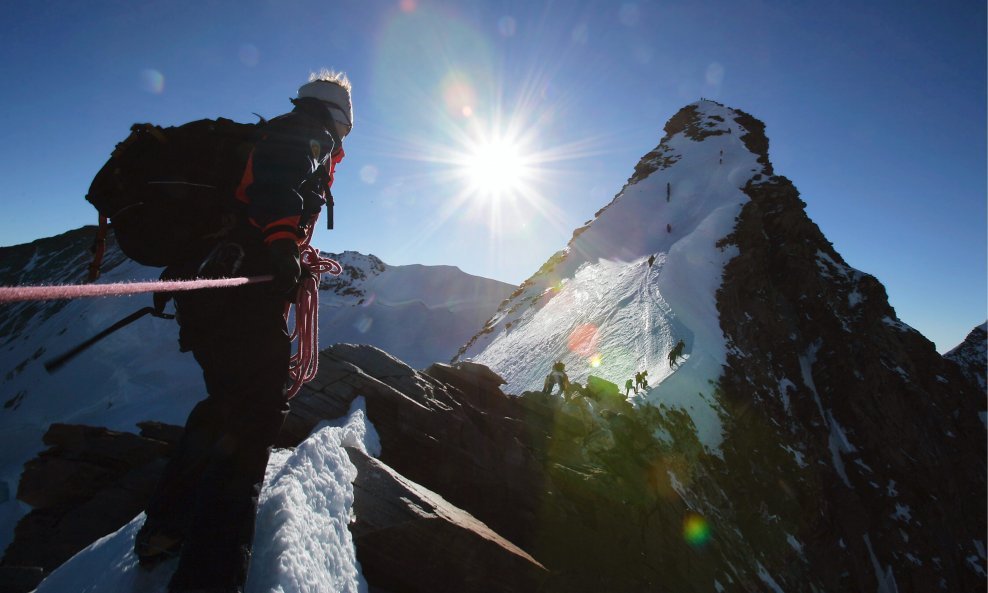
{"x":852,"y":414}
{"x":407,"y":535}
{"x":971,"y":356}
{"x":475,"y":431}
{"x":88,"y":483}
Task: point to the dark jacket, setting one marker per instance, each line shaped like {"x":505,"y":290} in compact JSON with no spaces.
{"x":289,"y":171}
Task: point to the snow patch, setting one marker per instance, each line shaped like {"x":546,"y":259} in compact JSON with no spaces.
{"x":838,"y":444}
{"x":798,"y":456}
{"x":784,"y":386}
{"x":902,"y":513}
{"x":886,"y":578}
{"x":768,"y":580}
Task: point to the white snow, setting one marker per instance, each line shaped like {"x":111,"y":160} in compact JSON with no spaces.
{"x":302,"y":544}
{"x":784,"y":386}
{"x":902,"y":513}
{"x":886,"y":578}
{"x":891,"y":489}
{"x":797,"y":456}
{"x":794,"y":544}
{"x":838,"y":444}
{"x":767,"y":579}
{"x":602,"y":310}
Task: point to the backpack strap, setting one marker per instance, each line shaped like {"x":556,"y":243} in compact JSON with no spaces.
{"x":98,"y":249}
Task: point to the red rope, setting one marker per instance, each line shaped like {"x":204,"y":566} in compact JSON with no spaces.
{"x":14,"y":294}
{"x":305,"y":362}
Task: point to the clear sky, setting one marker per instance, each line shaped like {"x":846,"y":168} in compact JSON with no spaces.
{"x":875,"y":110}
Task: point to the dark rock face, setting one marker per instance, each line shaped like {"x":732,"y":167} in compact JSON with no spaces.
{"x":89,"y":483}
{"x":407,"y":538}
{"x":972,"y":356}
{"x":844,"y":427}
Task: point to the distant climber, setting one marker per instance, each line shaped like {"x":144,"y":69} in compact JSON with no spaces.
{"x":628,"y":387}
{"x":651,"y":260}
{"x":640,"y":381}
{"x":557,"y":377}
{"x":668,"y":228}
{"x":676,"y":353}
{"x":668,"y":191}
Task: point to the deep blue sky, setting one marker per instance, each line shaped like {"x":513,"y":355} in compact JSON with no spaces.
{"x":875,"y":110}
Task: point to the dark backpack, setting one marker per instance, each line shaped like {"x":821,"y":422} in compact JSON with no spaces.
{"x":169,"y":193}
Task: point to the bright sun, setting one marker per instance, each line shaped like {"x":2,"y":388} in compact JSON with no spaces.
{"x":496,"y":169}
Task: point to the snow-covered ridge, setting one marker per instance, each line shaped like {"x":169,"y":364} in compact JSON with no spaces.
{"x":305,"y":506}
{"x":642,"y":275}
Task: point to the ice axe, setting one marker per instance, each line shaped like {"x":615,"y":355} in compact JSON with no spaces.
{"x":59,"y":361}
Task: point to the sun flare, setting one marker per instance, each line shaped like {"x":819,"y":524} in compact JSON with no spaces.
{"x":496,"y":169}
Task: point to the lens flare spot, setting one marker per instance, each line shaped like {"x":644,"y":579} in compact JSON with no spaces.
{"x":458,"y":95}
{"x":595,"y":360}
{"x":696,"y":530}
{"x":368,"y":174}
{"x":583,"y":340}
{"x":364,"y":324}
{"x":152,"y":81}
{"x":408,"y":5}
{"x":507,"y":26}
{"x":249,"y":54}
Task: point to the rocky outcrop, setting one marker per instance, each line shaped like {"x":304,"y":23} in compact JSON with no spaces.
{"x":88,"y":483}
{"x":862,"y":430}
{"x":457,"y":434}
{"x":972,"y":356}
{"x":410,"y":539}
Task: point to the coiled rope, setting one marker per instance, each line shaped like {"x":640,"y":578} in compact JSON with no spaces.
{"x":304,"y":364}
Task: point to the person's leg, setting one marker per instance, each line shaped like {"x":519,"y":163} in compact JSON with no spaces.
{"x":168,"y":511}
{"x":245,"y":373}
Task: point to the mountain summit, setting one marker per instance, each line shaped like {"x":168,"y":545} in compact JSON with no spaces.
{"x":643,"y":274}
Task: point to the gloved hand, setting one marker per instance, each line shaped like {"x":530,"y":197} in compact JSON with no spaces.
{"x":285,"y":266}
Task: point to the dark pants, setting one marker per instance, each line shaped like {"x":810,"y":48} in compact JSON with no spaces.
{"x":208,"y":493}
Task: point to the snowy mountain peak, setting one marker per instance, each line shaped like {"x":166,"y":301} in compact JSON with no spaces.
{"x":800,"y":402}
{"x":643,"y":274}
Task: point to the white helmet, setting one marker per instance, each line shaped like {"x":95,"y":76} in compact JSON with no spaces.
{"x":336,"y":94}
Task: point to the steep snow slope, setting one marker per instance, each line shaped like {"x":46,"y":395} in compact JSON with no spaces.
{"x":602,"y":308}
